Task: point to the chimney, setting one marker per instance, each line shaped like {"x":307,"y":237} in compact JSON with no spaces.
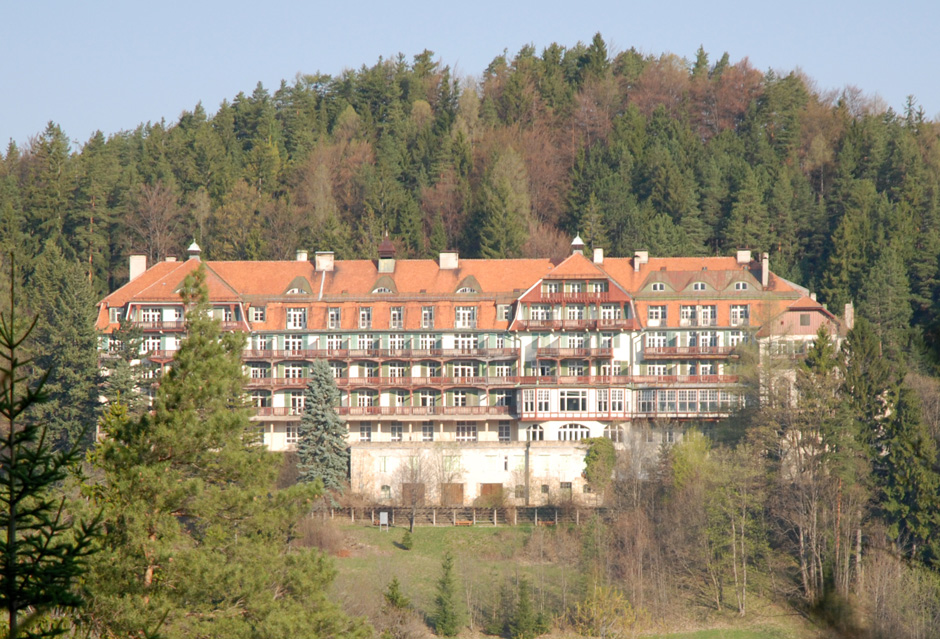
{"x":448,"y":261}
{"x":170,"y":258}
{"x":194,"y":251}
{"x":323,"y":261}
{"x":744,"y":257}
{"x":812,"y":296}
{"x":386,"y":255}
{"x":764,"y":269}
{"x":136,"y":266}
{"x":301,"y":255}
{"x":640,"y":258}
{"x":577,"y":245}
{"x":598,"y":256}
{"x":849,"y":316}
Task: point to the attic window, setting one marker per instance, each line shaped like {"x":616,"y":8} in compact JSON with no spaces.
{"x":698,"y":286}
{"x":740,"y":286}
{"x":466,"y":289}
{"x":382,"y":289}
{"x":659,"y":286}
{"x":296,"y":291}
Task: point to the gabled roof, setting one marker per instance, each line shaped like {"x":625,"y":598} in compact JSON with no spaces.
{"x":576,"y":266}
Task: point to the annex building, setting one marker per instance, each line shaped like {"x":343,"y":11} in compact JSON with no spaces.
{"x":472,"y":380}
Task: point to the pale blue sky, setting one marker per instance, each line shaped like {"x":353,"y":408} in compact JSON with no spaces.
{"x":110,"y":65}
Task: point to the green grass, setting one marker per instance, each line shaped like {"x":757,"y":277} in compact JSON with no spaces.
{"x":756,"y":633}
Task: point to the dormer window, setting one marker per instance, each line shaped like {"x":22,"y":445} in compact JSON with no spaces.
{"x":296,"y":291}
{"x":698,"y":286}
{"x":740,"y":286}
{"x":382,"y":289}
{"x":550,"y":287}
{"x":466,"y":289}
{"x":659,"y":287}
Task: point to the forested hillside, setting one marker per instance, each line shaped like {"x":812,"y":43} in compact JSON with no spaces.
{"x":632,"y":151}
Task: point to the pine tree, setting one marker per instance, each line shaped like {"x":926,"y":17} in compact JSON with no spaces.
{"x":42,"y":549}
{"x":322,"y":445}
{"x":66,"y":346}
{"x":526,"y":624}
{"x":197,"y":531}
{"x":394,"y":598}
{"x":446,"y":617}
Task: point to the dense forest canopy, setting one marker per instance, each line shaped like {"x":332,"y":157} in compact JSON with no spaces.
{"x":631,"y":151}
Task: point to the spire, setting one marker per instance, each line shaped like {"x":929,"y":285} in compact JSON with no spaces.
{"x":577,"y":245}
{"x":194,"y":251}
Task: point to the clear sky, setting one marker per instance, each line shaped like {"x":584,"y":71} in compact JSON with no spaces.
{"x":112,"y":64}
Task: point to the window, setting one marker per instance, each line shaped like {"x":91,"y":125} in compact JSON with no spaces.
{"x":503,"y":369}
{"x":575,"y":312}
{"x":333,"y":318}
{"x":501,"y":397}
{"x":544,"y":489}
{"x":460,"y":398}
{"x":427,"y":317}
{"x":396,"y":341}
{"x":466,"y":289}
{"x":293,"y":371}
{"x":688,"y":401}
{"x":669,"y":437}
{"x":658,"y":287}
{"x":602,"y":400}
{"x":657,"y":370}
{"x":708,"y":339}
{"x":698,"y":286}
{"x":576,"y":341}
{"x":535,"y":433}
{"x":519,"y":492}
{"x":656,"y":315}
{"x":740,"y":314}
{"x":386,"y":492}
{"x":365,"y":317}
{"x":466,"y":432}
{"x":549,"y":288}
{"x":294,"y":344}
{"x":575,"y":287}
{"x":334,"y":342}
{"x":427,"y":342}
{"x":565,"y":489}
{"x":263,"y":342}
{"x":528,"y":400}
{"x":466,"y":342}
{"x":709,"y":315}
{"x":666,"y":401}
{"x":610,"y":312}
{"x":296,"y":318}
{"x":396,"y":317}
{"x":607,"y":340}
{"x":502,"y":312}
{"x":804,"y":319}
{"x":368,"y":369}
{"x":427,"y":432}
{"x":365,"y":432}
{"x":740,"y":286}
{"x":465,"y":369}
{"x":540,"y":312}
{"x":366,"y":399}
{"x":616,"y":400}
{"x":543,"y":398}
{"x":257,"y":314}
{"x":336,"y":369}
{"x":293,"y":434}
{"x":382,"y":289}
{"x":500,"y":341}
{"x":504,"y":431}
{"x":396,"y":429}
{"x":687,"y":315}
{"x":397,"y":369}
{"x":597,"y":287}
{"x":296,"y":399}
{"x":399,"y":398}
{"x":614,"y":434}
{"x":115,"y":315}
{"x":466,"y":317}
{"x":656,"y":339}
{"x":576,"y":367}
{"x":647,"y":401}
{"x":737,"y":337}
{"x":573,"y":433}
{"x":151,"y":315}
{"x":573,"y":401}
{"x":427,"y":397}
{"x":151,"y":343}
{"x":260,"y":399}
{"x":367,"y":342}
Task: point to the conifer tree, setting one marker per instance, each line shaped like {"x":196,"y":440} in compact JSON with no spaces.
{"x":322,"y":447}
{"x":446,"y":617}
{"x":42,"y":549}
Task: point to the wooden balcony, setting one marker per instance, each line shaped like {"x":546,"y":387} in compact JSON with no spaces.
{"x":585,"y":297}
{"x":160,"y":325}
{"x":687,"y":352}
{"x":575,"y":325}
{"x":674,"y":380}
{"x":561,"y":353}
{"x":362,"y":411}
{"x":311,"y":354}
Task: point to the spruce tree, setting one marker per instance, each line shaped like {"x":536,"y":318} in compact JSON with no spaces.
{"x":322,"y":447}
{"x":42,"y":549}
{"x":446,"y":618}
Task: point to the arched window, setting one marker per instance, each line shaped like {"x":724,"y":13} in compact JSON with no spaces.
{"x":614,"y":434}
{"x":535,"y":433}
{"x":466,"y":289}
{"x":573,"y":433}
{"x":382,"y":289}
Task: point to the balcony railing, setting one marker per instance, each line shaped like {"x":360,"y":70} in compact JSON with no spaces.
{"x":160,"y":325}
{"x":697,"y":352}
{"x":574,"y":352}
{"x":423,"y":410}
{"x":585,"y":297}
{"x":376,"y":353}
{"x":698,"y":321}
{"x":575,"y":324}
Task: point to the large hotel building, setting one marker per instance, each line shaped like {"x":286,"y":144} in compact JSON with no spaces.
{"x":472,"y":380}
